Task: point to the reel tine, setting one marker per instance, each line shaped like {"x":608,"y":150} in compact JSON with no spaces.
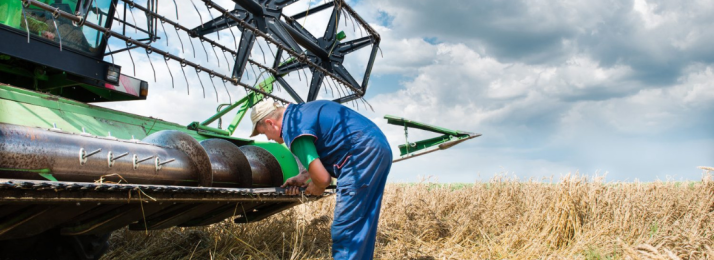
{"x":200,"y":81}
{"x":192,"y":47}
{"x":148,"y":51}
{"x":110,"y":51}
{"x":210,"y":76}
{"x":353,"y":101}
{"x":298,"y":73}
{"x":347,"y":16}
{"x":252,"y":67}
{"x":27,"y":26}
{"x":131,"y":57}
{"x":179,"y":37}
{"x":176,"y":6}
{"x":166,"y":60}
{"x":204,"y":49}
{"x":210,"y":14}
{"x":213,"y":47}
{"x":165,"y":34}
{"x":332,"y":91}
{"x":188,"y":91}
{"x":360,"y":30}
{"x":226,"y":57}
{"x":271,"y":50}
{"x":342,"y":92}
{"x":199,"y":13}
{"x":344,"y":13}
{"x":261,"y":50}
{"x":333,"y":82}
{"x":132,"y":17}
{"x":57,"y":28}
{"x":230,"y":100}
{"x":230,"y":28}
{"x":367,"y":103}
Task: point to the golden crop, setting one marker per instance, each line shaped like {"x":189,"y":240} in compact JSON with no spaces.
{"x":574,"y":218}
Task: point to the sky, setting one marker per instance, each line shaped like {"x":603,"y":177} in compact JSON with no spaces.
{"x":621,"y":89}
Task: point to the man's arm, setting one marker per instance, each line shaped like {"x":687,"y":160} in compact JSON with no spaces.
{"x":320,"y":178}
{"x":304,"y":149}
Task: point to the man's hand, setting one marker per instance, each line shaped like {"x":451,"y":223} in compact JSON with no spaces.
{"x":293,"y":184}
{"x":313,"y":189}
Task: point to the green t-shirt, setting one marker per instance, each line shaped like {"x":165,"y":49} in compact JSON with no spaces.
{"x":304,"y":148}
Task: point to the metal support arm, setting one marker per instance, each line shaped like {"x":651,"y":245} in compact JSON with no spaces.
{"x":448,"y":139}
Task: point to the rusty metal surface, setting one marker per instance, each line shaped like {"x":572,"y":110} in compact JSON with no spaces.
{"x":264,"y":166}
{"x":25,"y":191}
{"x":26,"y":150}
{"x":188,"y":145}
{"x":230,"y":166}
{"x":95,"y":208}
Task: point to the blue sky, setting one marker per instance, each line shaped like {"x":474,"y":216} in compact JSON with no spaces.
{"x":617,"y":88}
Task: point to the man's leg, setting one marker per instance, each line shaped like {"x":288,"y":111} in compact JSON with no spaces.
{"x":357,"y":209}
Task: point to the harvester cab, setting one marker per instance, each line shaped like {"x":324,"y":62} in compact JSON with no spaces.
{"x":46,"y":52}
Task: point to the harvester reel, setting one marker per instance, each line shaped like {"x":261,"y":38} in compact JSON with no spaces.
{"x":325,"y":52}
{"x":328,"y":52}
{"x":263,"y":16}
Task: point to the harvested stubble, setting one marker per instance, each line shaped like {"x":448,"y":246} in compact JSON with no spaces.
{"x":502,"y":219}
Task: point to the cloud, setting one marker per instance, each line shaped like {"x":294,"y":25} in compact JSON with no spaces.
{"x":545,"y":115}
{"x":555,"y":87}
{"x":647,"y":36}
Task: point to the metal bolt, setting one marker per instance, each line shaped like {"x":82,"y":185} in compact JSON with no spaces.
{"x":111,"y":158}
{"x":136,"y":160}
{"x":146,"y":159}
{"x":83,"y":155}
{"x":54,"y":128}
{"x":159,"y":164}
{"x":92,"y":153}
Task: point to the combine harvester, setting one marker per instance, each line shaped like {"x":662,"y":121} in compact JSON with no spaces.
{"x":71,"y":173}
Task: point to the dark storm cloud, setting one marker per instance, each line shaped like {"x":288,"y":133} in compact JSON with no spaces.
{"x":657,"y":39}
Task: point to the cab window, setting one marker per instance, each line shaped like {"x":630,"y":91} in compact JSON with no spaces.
{"x":40,"y":23}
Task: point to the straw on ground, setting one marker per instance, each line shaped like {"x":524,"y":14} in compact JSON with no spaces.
{"x":502,"y":219}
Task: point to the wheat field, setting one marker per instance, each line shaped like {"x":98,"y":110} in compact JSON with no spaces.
{"x":574,"y":217}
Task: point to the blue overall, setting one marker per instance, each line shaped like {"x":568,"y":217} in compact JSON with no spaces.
{"x":356,"y":152}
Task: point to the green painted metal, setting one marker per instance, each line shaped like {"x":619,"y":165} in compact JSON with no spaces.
{"x":341,"y":35}
{"x":445,"y":141}
{"x":20,"y":106}
{"x":287,"y":160}
{"x":394,"y":120}
{"x":243,"y":105}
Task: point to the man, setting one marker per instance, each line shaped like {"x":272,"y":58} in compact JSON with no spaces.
{"x":334,"y":141}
